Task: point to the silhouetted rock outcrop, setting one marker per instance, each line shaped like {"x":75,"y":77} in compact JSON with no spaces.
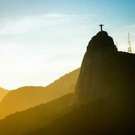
{"x":107,"y":79}
{"x":105,"y":72}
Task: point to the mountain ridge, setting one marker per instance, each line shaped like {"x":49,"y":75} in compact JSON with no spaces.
{"x":3,"y":93}
{"x":19,"y":122}
{"x":30,"y":96}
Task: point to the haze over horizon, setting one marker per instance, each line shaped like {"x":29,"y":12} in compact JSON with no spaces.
{"x":40,"y":40}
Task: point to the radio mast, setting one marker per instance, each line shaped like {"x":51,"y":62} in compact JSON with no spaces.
{"x":129,"y":44}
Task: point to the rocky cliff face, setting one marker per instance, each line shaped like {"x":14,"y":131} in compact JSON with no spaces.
{"x":106,"y":74}
{"x":93,"y":80}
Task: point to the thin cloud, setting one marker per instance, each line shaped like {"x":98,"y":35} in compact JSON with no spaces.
{"x":12,"y":26}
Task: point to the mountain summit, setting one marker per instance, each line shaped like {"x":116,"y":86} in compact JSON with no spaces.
{"x":96,"y":67}
{"x":101,"y":43}
{"x":106,"y":74}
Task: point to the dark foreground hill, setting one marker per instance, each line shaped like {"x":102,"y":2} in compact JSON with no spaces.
{"x":95,"y":118}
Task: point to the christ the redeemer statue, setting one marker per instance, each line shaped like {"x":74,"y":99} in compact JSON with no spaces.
{"x":101,"y":26}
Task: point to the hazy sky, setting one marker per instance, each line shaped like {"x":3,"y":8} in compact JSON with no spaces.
{"x":40,"y":40}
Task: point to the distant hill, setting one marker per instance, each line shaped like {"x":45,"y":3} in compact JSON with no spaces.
{"x":27,"y":97}
{"x":27,"y":121}
{"x":3,"y":92}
